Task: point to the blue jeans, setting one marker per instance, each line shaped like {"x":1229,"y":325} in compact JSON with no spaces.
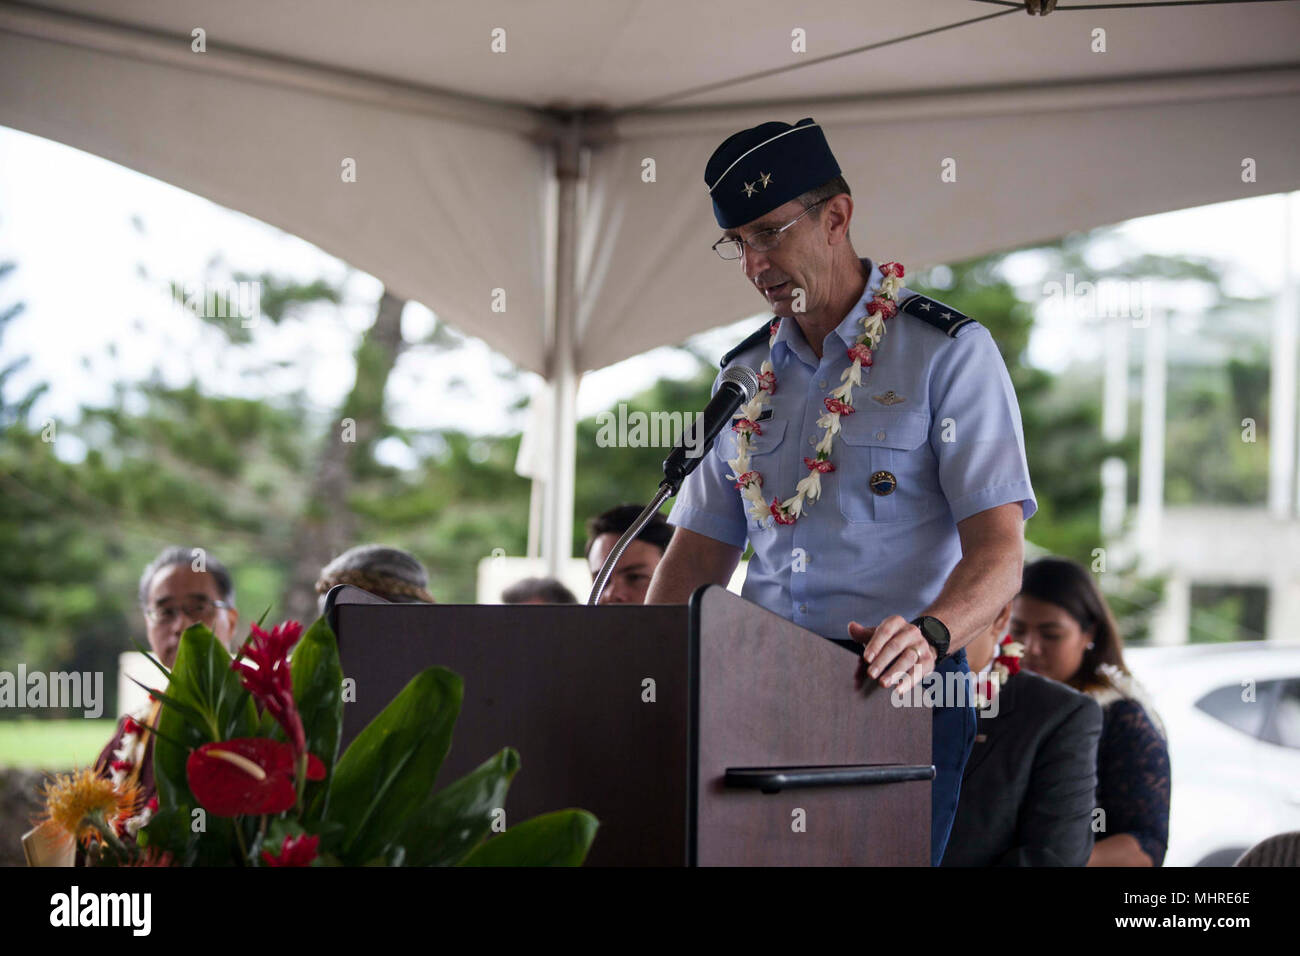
{"x":951,"y":737}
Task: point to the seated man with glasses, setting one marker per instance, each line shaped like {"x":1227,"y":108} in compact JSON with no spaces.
{"x":173,"y":595}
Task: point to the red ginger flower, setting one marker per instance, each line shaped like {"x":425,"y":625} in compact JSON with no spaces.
{"x":861,"y":353}
{"x":252,"y":775}
{"x":892,"y":269}
{"x":887,"y":308}
{"x":264,"y":670}
{"x":819,"y":464}
{"x":835,"y":405}
{"x":294,"y":851}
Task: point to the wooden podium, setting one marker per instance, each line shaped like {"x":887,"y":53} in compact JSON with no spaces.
{"x":713,"y":733}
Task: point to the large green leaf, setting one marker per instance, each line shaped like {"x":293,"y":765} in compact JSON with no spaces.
{"x":561,"y":838}
{"x":457,"y":818}
{"x":318,"y":691}
{"x":388,"y":771}
{"x":214,"y":706}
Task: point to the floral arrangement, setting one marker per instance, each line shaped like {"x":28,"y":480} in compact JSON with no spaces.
{"x":248,"y":772}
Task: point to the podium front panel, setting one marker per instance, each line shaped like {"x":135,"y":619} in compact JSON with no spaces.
{"x":566,"y":686}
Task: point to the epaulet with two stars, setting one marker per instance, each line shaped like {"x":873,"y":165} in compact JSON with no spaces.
{"x":943,"y":317}
{"x":760,"y":336}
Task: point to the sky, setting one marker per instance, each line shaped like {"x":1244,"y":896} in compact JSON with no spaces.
{"x":95,"y":245}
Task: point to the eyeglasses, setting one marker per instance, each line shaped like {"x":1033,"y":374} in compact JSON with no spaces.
{"x":763,"y":241}
{"x":200,"y":610}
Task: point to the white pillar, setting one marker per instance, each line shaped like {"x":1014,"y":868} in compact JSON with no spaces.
{"x":557,"y":525}
{"x":1171,"y":623}
{"x":1283,"y":500}
{"x":1151,"y":476}
{"x":1114,"y":424}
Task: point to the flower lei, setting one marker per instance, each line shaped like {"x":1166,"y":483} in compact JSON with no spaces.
{"x":125,"y":759}
{"x":1005,"y":665}
{"x":839,"y":402}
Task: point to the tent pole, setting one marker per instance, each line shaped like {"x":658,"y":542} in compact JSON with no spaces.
{"x":557,"y":540}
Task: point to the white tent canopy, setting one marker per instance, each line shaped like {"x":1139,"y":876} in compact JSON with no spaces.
{"x":522,"y":170}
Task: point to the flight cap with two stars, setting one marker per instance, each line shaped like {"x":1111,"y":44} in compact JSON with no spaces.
{"x":758,"y":169}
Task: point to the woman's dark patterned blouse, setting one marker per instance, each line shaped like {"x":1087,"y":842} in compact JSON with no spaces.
{"x":1133,"y":777}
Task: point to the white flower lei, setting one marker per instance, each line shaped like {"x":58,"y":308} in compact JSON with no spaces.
{"x":1007,"y":651}
{"x":883,"y":306}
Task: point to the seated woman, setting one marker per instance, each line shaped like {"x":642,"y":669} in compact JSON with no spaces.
{"x":390,"y":573}
{"x":1029,"y":787}
{"x":1070,"y":635}
{"x":172,"y":597}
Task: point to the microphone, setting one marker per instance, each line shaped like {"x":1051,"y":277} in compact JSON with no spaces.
{"x":739,"y":385}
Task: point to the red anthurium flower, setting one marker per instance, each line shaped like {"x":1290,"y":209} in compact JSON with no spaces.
{"x":294,"y":851}
{"x":252,"y":775}
{"x":264,"y":670}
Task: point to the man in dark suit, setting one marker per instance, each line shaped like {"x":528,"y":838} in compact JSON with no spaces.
{"x":1029,"y":787}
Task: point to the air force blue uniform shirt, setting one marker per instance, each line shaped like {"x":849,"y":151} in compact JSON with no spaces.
{"x":937,"y":411}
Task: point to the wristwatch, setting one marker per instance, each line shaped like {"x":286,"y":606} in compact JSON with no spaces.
{"x":936,"y":633}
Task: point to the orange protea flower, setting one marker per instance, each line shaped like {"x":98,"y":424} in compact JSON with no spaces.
{"x":82,"y":804}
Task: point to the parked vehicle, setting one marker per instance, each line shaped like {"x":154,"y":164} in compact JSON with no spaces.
{"x":1232,"y":714}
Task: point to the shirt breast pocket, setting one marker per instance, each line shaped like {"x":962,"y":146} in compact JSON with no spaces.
{"x":893,"y":449}
{"x":763,"y":457}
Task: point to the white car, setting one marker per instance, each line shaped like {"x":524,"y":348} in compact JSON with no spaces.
{"x":1232,"y":714}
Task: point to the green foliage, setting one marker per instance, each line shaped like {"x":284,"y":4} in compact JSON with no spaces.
{"x":381,"y":807}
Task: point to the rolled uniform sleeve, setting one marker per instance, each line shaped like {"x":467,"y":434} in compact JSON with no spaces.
{"x":708,"y":503}
{"x":975,"y":430}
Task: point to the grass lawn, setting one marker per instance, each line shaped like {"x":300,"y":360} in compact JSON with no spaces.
{"x":53,"y":744}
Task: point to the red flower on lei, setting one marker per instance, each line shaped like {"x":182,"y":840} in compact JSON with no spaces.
{"x":860,"y":353}
{"x":779,"y":513}
{"x":835,"y":405}
{"x":823,"y":465}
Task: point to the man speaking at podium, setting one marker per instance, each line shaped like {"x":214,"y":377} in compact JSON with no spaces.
{"x":879,"y":473}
